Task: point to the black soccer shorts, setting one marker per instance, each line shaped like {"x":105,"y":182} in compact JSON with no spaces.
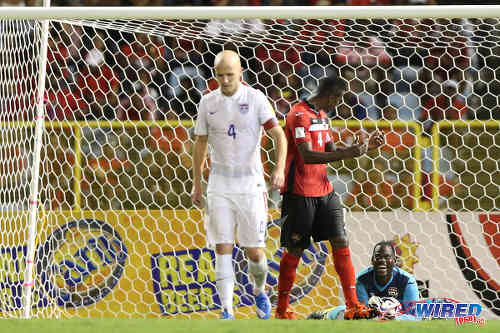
{"x":321,"y":218}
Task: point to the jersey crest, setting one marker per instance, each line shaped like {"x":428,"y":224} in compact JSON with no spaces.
{"x":244,"y":108}
{"x":392,"y":292}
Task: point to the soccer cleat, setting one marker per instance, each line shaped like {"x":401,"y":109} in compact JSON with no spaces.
{"x":287,"y":315}
{"x":224,"y":315}
{"x":318,"y":315}
{"x":360,"y":311}
{"x":263,"y":306}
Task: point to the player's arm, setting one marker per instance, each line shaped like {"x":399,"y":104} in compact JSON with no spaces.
{"x":267,"y":118}
{"x":357,"y":149}
{"x":299,"y":125}
{"x":280,"y":144}
{"x":361,"y":292}
{"x":410,"y":293}
{"x":410,"y":296}
{"x":200,"y":150}
{"x":331,"y":154}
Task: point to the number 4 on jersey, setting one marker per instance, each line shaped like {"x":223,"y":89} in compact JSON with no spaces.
{"x":232,"y":131}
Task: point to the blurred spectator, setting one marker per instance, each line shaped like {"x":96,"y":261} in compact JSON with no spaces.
{"x":390,"y":113}
{"x":58,"y":58}
{"x":144,"y":52}
{"x":279,"y":58}
{"x":447,"y":106}
{"x":139,"y":106}
{"x":407,"y":106}
{"x":370,"y":53}
{"x":18,"y":97}
{"x":342,"y":112}
{"x":62,"y":103}
{"x":185,"y":104}
{"x":98,"y":83}
{"x":355,"y":110}
{"x":388,"y":2}
{"x":182,"y":63}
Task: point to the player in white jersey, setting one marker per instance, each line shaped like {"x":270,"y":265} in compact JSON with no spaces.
{"x":230,"y":122}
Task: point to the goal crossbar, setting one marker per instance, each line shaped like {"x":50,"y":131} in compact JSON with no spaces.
{"x":247,"y":12}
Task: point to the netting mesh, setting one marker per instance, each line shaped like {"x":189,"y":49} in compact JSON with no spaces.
{"x":118,"y":235}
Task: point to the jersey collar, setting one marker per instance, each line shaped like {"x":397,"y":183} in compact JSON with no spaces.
{"x":236,"y":95}
{"x":311,"y":107}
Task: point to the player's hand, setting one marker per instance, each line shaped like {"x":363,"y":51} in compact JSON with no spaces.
{"x":375,"y":140}
{"x":358,"y":147}
{"x":197,"y":196}
{"x":277,"y":179}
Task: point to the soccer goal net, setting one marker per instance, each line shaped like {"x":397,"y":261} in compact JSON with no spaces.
{"x":97,"y":109}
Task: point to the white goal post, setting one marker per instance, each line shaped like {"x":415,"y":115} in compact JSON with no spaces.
{"x":97,"y":106}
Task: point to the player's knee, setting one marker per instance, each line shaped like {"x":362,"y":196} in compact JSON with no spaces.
{"x":339,"y":242}
{"x":255,"y":254}
{"x":223,"y":248}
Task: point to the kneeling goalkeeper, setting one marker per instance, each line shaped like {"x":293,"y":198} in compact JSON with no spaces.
{"x":383,"y":279}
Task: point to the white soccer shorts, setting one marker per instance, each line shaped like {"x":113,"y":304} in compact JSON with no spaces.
{"x":240,"y":215}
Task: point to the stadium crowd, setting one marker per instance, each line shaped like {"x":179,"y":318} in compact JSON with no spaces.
{"x":109,"y":75}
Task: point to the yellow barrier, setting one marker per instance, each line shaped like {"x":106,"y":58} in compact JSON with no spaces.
{"x":436,"y":129}
{"x":77,"y":126}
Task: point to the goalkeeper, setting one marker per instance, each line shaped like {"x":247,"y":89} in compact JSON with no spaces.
{"x":385,"y":280}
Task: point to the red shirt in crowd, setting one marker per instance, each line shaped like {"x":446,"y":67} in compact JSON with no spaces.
{"x":140,"y":55}
{"x":303,"y":124}
{"x":440,"y":109}
{"x":98,"y":82}
{"x":64,"y":103}
{"x":280,"y":54}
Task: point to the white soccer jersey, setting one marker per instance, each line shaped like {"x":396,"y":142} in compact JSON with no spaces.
{"x":234,"y":128}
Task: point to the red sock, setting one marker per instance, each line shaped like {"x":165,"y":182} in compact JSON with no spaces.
{"x":345,"y":270}
{"x":288,"y":270}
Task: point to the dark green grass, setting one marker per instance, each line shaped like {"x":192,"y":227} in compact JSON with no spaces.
{"x":238,"y":326}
